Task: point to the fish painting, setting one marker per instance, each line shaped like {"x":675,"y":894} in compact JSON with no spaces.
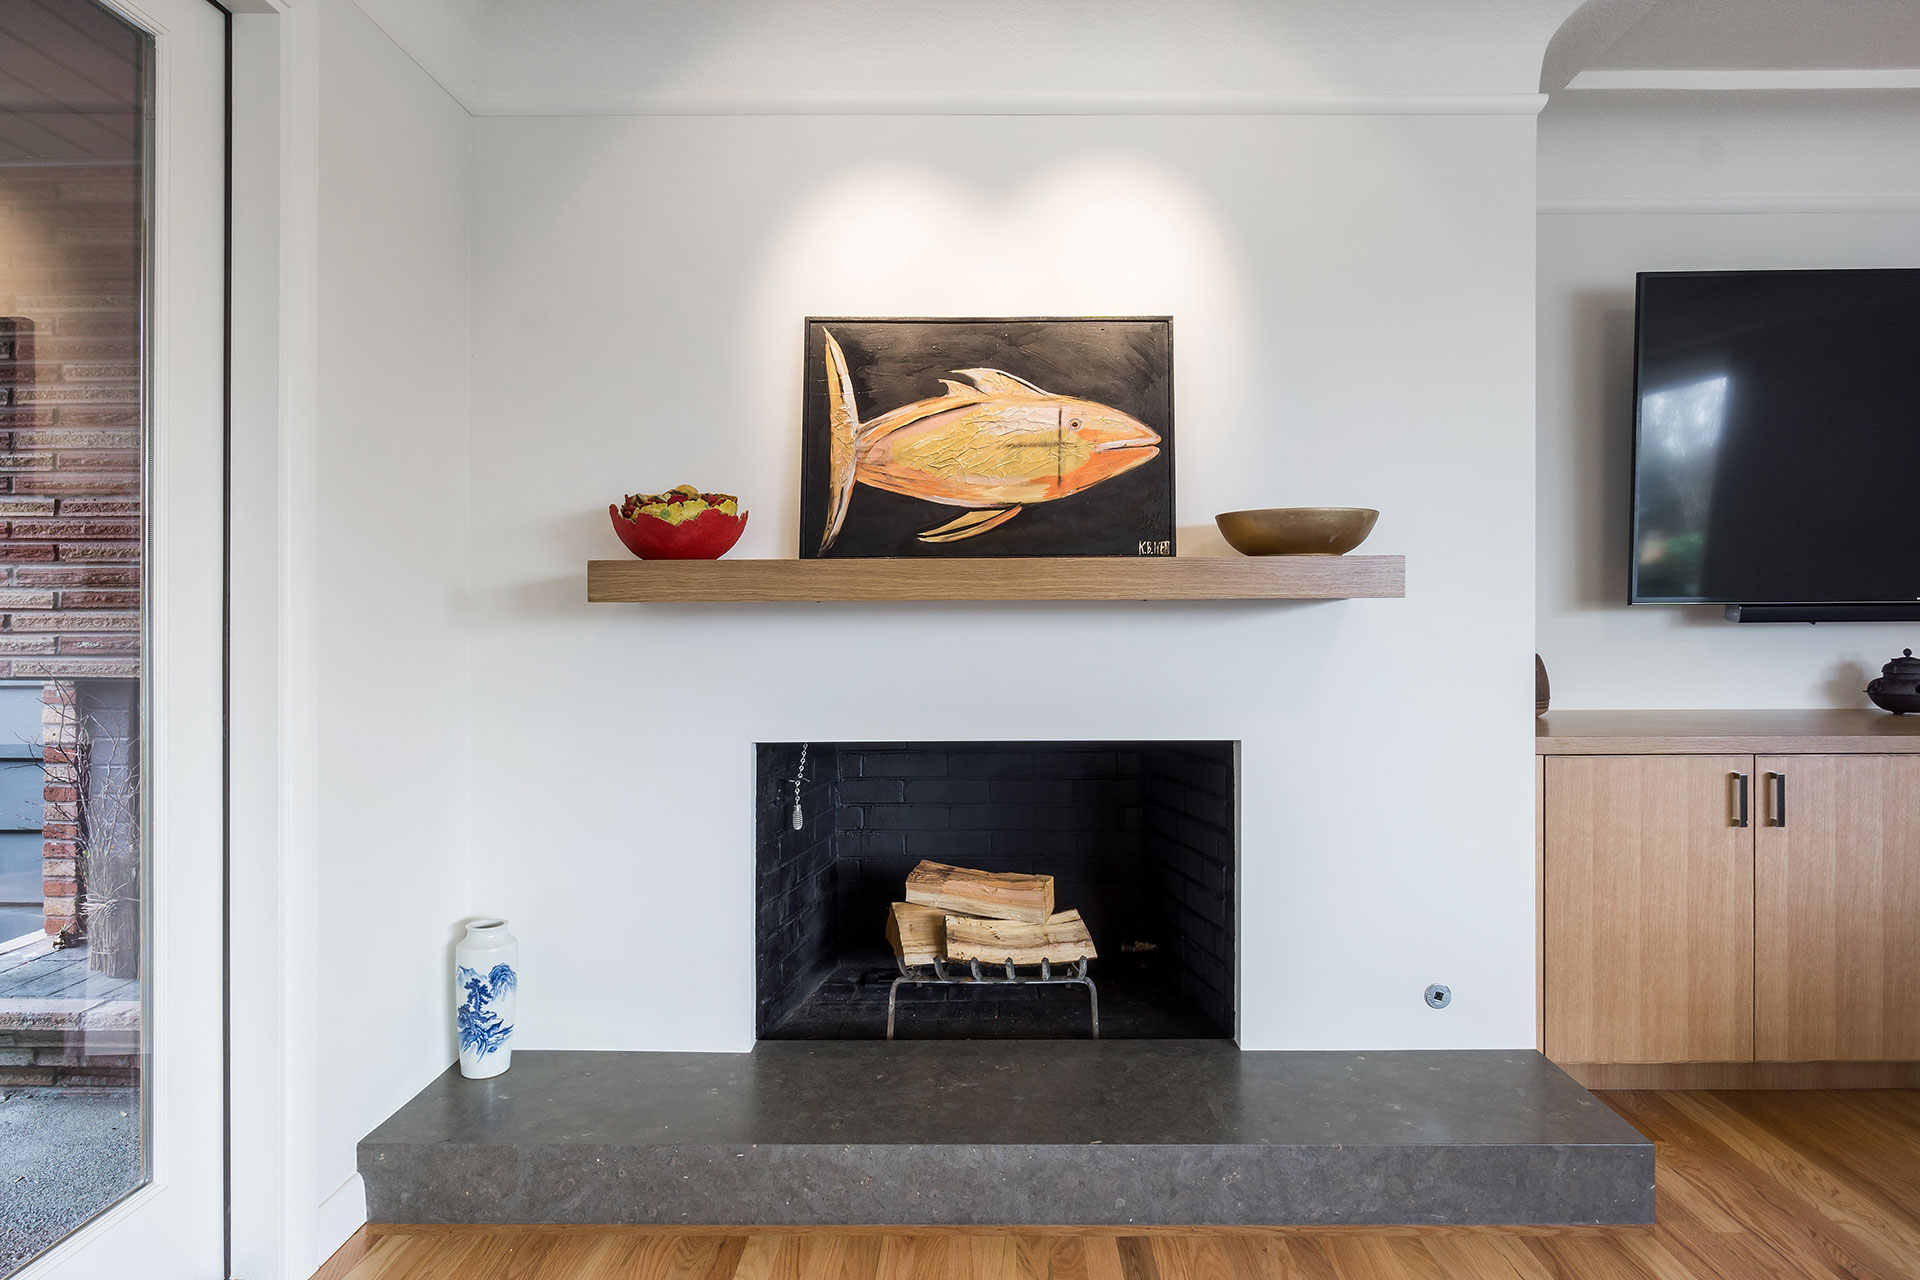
{"x":996,"y":441}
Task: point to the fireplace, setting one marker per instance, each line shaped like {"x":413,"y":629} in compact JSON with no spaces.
{"x":1140,"y":838}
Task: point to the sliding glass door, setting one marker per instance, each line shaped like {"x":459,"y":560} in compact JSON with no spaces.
{"x":112,"y":295}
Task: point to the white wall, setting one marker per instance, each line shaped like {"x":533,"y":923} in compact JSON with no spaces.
{"x":390,"y":579}
{"x":1630,"y":148}
{"x":1688,"y":185}
{"x":1354,"y":325}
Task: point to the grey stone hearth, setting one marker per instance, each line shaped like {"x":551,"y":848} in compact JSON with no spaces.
{"x":1013,"y":1132}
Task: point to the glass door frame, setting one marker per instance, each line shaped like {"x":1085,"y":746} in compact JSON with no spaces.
{"x":176,"y":1221}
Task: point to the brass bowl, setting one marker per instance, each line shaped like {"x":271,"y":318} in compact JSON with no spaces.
{"x":1297,"y":531}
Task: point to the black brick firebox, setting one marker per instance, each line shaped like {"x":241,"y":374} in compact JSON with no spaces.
{"x":1140,"y":837}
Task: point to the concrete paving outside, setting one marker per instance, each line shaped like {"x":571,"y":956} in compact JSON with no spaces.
{"x":64,"y":1157}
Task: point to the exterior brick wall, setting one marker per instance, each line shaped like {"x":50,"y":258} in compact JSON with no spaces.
{"x":70,"y":463}
{"x":62,"y":868}
{"x":70,"y":423}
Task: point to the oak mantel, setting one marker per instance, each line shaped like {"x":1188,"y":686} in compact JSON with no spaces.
{"x":1010,"y":578}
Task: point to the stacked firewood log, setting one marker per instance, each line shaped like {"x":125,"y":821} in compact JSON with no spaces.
{"x":958,"y":914}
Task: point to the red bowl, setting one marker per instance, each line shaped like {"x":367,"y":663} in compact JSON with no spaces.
{"x":707,"y":536}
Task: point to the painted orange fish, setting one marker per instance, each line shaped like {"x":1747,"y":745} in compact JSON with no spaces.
{"x":993,"y":447}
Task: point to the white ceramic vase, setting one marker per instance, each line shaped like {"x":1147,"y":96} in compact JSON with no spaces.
{"x":486,"y":977}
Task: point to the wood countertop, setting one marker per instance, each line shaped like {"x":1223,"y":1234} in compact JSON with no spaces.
{"x":1849,"y":731}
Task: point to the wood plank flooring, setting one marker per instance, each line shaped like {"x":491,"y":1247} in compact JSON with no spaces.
{"x":1752,"y":1186}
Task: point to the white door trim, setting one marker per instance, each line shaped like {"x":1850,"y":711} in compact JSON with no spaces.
{"x":284,"y":1223}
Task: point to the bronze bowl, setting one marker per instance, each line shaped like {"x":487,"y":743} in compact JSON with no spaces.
{"x":1297,"y":531}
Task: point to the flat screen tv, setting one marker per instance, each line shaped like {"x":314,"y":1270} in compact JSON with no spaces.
{"x":1777,"y":441}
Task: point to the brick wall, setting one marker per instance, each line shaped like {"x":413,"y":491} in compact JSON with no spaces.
{"x":1065,"y":810}
{"x":70,"y":462}
{"x":70,"y":421}
{"x":1153,"y":870}
{"x":1192,"y":825}
{"x":795,"y":920}
{"x":62,"y":869}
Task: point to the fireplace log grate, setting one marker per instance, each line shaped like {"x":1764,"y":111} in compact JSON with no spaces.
{"x":975,"y":974}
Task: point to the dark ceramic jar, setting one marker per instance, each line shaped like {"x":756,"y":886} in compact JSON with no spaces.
{"x":1898,"y":686}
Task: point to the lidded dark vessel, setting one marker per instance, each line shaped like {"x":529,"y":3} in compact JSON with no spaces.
{"x":1897,"y":688}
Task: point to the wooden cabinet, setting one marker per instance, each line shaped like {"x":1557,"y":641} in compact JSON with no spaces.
{"x":1837,"y":909}
{"x":1649,"y":910}
{"x":1678,"y":928}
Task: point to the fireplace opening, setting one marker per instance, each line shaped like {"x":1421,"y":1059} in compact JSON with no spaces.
{"x":1139,"y":838}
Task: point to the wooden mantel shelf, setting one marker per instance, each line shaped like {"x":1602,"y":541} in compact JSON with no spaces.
{"x":1023,"y":578}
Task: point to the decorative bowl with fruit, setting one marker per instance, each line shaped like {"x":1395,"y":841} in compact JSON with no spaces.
{"x":680,"y":524}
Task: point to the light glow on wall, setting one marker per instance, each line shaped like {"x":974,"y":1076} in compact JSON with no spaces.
{"x":1101,"y":235}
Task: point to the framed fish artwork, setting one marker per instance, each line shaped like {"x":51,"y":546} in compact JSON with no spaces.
{"x":1015,"y":437}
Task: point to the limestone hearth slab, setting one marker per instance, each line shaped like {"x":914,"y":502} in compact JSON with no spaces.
{"x":1174,"y":1132}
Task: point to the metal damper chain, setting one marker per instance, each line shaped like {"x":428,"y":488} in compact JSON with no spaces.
{"x":800,"y":775}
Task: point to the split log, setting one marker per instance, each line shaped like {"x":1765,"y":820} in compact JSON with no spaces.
{"x":997,"y":896}
{"x":1062,"y":939}
{"x":918,"y":934}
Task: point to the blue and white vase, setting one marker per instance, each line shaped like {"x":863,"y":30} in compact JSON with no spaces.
{"x":485,"y":980}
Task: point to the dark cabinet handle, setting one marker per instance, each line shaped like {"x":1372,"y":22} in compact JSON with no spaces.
{"x":1739,"y":799}
{"x":1778,"y":818}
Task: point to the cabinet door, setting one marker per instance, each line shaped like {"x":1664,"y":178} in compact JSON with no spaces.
{"x":1649,"y":910}
{"x":1837,"y":909}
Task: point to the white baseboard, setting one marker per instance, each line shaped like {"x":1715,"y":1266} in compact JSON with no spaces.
{"x":340,"y":1215}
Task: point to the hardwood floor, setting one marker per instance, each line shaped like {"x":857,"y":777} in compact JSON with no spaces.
{"x":1751,"y":1186}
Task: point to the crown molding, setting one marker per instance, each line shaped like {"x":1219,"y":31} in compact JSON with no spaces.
{"x":1729,"y":204}
{"x":1011,"y":104}
{"x":1811,"y":78}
